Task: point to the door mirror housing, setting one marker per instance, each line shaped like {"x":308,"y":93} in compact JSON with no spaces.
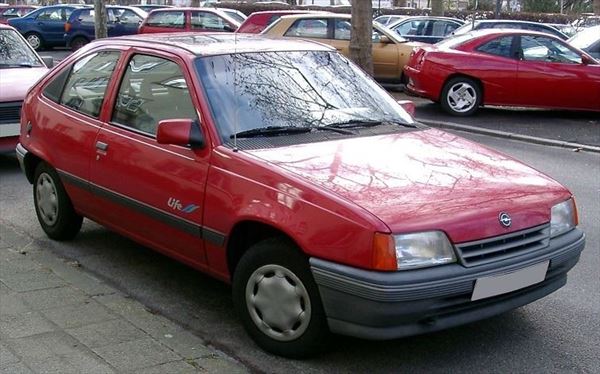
{"x":587,"y":60}
{"x":384,"y":39}
{"x":183,"y":132}
{"x":408,"y":105}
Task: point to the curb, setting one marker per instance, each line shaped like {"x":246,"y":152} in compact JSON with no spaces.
{"x":511,"y":135}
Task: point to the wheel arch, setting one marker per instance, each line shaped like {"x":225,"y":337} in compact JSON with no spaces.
{"x":30,"y":163}
{"x":245,"y":234}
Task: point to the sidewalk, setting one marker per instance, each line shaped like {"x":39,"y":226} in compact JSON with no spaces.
{"x":55,"y":318}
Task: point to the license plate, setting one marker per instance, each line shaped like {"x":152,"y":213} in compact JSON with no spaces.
{"x":500,"y":284}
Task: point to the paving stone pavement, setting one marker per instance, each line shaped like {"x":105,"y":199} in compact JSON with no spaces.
{"x":56,"y":318}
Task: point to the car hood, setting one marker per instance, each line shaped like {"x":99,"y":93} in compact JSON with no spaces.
{"x":15,"y":82}
{"x":426,"y":180}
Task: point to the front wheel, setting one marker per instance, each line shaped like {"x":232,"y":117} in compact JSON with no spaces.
{"x":78,"y":43}
{"x":278,"y":301}
{"x":461,"y":96}
{"x":52,"y":205}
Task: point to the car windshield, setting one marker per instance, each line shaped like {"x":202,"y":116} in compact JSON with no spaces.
{"x":585,"y":38}
{"x":304,"y":89}
{"x":15,"y":52}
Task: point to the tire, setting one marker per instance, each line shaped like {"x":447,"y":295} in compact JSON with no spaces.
{"x":273,"y":282}
{"x":78,"y":42}
{"x":461,"y":96}
{"x":35,"y":40}
{"x":53,"y":206}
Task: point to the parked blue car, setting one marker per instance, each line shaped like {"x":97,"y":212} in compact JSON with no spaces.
{"x":122,"y":20}
{"x":45,"y":27}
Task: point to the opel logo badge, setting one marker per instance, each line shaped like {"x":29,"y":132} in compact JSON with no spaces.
{"x":505,"y":219}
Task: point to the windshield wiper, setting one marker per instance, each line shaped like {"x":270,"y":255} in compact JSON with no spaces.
{"x":270,"y":131}
{"x":366,"y":123}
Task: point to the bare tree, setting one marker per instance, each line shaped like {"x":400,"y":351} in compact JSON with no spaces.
{"x":100,"y":19}
{"x":597,"y":7}
{"x":437,"y":7}
{"x":196,"y":3}
{"x":361,"y":36}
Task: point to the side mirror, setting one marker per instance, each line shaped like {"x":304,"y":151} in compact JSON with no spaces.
{"x":384,"y":39}
{"x":183,"y":132}
{"x":408,"y":105}
{"x":587,"y":60}
{"x":48,"y":61}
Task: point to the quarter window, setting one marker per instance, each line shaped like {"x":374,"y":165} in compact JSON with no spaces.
{"x":498,"y":47}
{"x":86,"y":86}
{"x":309,"y":28}
{"x":153,"y":89}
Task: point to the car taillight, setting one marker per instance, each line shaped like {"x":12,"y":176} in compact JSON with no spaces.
{"x":67,"y":27}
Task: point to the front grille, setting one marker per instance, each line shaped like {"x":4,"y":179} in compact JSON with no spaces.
{"x":10,"y":112}
{"x":504,"y":246}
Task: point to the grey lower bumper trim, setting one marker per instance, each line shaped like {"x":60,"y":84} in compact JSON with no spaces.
{"x":21,"y":153}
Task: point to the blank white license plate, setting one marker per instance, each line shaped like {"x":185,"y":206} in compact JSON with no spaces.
{"x":497,"y":285}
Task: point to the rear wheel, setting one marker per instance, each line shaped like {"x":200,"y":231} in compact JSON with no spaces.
{"x":78,"y":42}
{"x":52,"y":205}
{"x":461,"y":96}
{"x":278,"y":301}
{"x":35,"y":41}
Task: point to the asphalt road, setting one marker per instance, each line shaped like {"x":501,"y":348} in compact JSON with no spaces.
{"x":557,"y":334}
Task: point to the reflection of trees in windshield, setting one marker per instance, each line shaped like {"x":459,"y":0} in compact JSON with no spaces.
{"x":254,"y":90}
{"x":14,"y":51}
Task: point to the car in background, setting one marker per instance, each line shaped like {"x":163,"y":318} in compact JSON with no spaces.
{"x":507,"y":68}
{"x":20,"y":68}
{"x":509,"y":24}
{"x":425,"y":29}
{"x":588,"y":40}
{"x":282,"y":168}
{"x":235,"y":14}
{"x":566,"y":29}
{"x":586,"y":21}
{"x":258,"y":21}
{"x":188,"y":19}
{"x":15,"y":11}
{"x":80,"y":28}
{"x":150,"y":7}
{"x":390,"y":51}
{"x":388,"y":19}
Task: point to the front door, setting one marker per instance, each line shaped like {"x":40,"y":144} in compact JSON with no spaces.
{"x":153,"y":192}
{"x":51,"y":23}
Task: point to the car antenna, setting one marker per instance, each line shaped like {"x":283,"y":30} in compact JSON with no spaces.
{"x":235,"y":107}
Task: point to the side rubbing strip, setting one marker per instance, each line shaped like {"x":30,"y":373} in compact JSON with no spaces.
{"x":191,"y":228}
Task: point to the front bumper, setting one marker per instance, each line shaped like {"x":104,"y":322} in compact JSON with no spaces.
{"x":379,"y":305}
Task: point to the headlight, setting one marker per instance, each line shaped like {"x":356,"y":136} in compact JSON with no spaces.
{"x":563,"y":217}
{"x":411,"y":251}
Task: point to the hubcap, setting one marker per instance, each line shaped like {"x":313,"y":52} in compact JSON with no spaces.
{"x":462,"y":97}
{"x":278,"y":302}
{"x":34,"y":41}
{"x":47,"y":199}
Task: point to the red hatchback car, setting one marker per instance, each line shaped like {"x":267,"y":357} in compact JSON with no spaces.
{"x":312,"y":191}
{"x":506,"y":67}
{"x":188,"y":19}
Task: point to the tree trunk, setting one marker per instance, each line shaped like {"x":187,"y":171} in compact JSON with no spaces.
{"x":196,"y":3}
{"x":361,"y":37}
{"x":437,"y":7}
{"x":597,"y":7}
{"x":100,"y":19}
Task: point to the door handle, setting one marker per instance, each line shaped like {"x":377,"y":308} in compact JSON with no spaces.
{"x":101,"y":146}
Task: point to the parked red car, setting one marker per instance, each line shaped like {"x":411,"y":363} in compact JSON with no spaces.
{"x":510,"y":68}
{"x":312,"y":191}
{"x":20,"y":68}
{"x":188,"y":19}
{"x":258,"y":21}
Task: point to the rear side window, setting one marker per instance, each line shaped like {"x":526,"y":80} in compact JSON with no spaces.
{"x":86,"y":16}
{"x":498,"y":47}
{"x":86,"y":85}
{"x":153,"y":89}
{"x":309,"y":28}
{"x":55,"y":14}
{"x":166,"y":19}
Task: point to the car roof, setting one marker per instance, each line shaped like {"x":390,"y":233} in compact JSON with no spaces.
{"x":502,"y":31}
{"x":210,"y":44}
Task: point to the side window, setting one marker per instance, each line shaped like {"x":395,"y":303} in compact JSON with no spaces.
{"x":152,"y":89}
{"x":86,"y":16}
{"x":167,"y":19}
{"x":54,"y":89}
{"x":126,"y":17}
{"x":442,"y":28}
{"x":55,"y":14}
{"x":541,"y":48}
{"x":86,"y":85}
{"x":309,"y":28}
{"x":342,"y":29}
{"x":273,"y":19}
{"x":208,"y":21}
{"x":498,"y":47}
